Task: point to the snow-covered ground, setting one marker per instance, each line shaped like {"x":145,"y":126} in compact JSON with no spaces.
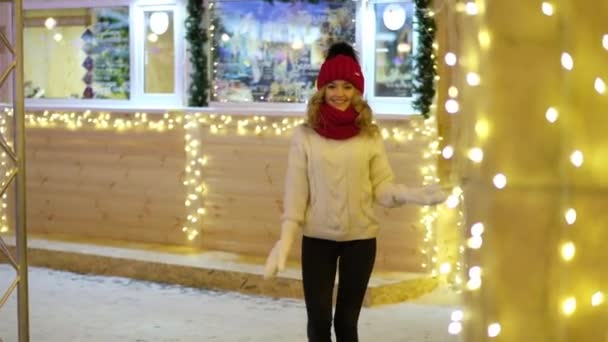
{"x":68,"y":307}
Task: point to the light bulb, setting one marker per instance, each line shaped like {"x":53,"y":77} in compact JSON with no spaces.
{"x":476,"y":154}
{"x":576,"y":158}
{"x":567,"y":61}
{"x":569,"y":306}
{"x":471,"y":8}
{"x":600,"y":86}
{"x":447,"y":152}
{"x":457,"y":315}
{"x":452,"y":106}
{"x":454,"y":328}
{"x":475,"y":242}
{"x":50,"y":23}
{"x":551,"y":115}
{"x":597,"y":298}
{"x":570,"y":216}
{"x":453,"y":92}
{"x":482,"y":128}
{"x":494,"y":330}
{"x":473,"y":79}
{"x":500,"y":181}
{"x":547,"y":8}
{"x":450,"y":59}
{"x":568,"y":251}
{"x":477,"y":229}
{"x":445,"y":268}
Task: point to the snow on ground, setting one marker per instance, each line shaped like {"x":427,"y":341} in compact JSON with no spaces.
{"x":69,"y":307}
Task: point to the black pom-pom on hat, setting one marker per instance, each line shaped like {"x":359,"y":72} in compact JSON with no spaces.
{"x":341,"y":48}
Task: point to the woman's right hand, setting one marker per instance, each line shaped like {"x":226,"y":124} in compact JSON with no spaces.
{"x":277,"y":259}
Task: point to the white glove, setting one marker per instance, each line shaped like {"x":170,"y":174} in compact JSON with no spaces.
{"x":425,"y":195}
{"x":277,"y":258}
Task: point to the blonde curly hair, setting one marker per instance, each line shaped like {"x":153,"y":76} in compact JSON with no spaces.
{"x":364,"y":121}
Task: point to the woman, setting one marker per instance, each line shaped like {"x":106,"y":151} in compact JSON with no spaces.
{"x":337,"y":168}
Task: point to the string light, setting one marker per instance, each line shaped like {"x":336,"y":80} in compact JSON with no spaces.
{"x":597,"y":299}
{"x":576,"y":158}
{"x":568,"y":250}
{"x":569,"y":306}
{"x":600,"y":86}
{"x":547,"y":8}
{"x":567,"y":61}
{"x":500,"y":181}
{"x":450,"y":59}
{"x":494,"y":329}
{"x":551,"y":115}
{"x":570,"y":216}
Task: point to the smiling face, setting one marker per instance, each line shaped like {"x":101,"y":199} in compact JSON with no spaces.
{"x":339,"y":94}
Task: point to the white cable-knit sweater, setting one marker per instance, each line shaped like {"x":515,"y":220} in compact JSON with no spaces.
{"x":331,"y":185}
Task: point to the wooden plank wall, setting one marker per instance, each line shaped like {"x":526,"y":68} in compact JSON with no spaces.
{"x":128,"y":187}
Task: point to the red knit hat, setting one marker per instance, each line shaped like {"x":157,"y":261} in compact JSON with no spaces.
{"x":341,"y":64}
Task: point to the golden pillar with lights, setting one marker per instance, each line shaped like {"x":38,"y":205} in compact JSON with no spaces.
{"x":525,"y":102}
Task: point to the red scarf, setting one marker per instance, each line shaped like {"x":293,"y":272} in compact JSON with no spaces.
{"x":337,"y":124}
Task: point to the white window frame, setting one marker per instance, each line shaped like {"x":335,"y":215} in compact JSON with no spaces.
{"x":138,"y":99}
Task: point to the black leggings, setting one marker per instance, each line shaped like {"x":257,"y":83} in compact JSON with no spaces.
{"x":319,"y":264}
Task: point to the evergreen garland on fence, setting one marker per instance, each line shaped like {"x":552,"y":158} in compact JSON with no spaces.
{"x":196,"y":35}
{"x":424,"y":58}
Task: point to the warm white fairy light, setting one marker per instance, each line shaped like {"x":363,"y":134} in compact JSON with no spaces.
{"x":447,"y":152}
{"x":570,"y":216}
{"x":453,"y":92}
{"x":482,"y":128}
{"x":600,"y":86}
{"x":471,"y":8}
{"x":567,"y":61}
{"x":568,"y":250}
{"x":500,"y":181}
{"x":605,"y":41}
{"x":475,"y":154}
{"x":494,"y":330}
{"x":452,"y":106}
{"x":576,"y":158}
{"x":450,"y":59}
{"x":445,"y":268}
{"x":455,"y":328}
{"x":473,"y":79}
{"x":551,"y":114}
{"x":569,"y":306}
{"x":547,"y":8}
{"x":477,"y":229}
{"x":597,"y":299}
{"x":474,"y":282}
{"x":484,"y":38}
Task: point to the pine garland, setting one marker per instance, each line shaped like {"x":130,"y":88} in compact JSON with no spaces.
{"x":196,"y":35}
{"x":425,"y":70}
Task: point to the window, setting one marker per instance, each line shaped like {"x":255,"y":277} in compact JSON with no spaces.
{"x":272,"y":52}
{"x":77,"y":53}
{"x":122,"y":53}
{"x":388,"y":43}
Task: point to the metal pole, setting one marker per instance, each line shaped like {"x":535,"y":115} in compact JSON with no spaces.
{"x":19,"y":121}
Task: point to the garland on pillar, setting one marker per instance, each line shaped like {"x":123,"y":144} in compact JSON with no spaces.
{"x":196,"y":35}
{"x":425,"y":67}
